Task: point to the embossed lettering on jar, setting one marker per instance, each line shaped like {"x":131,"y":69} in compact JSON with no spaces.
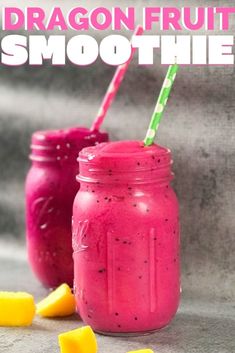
{"x":126,"y":238}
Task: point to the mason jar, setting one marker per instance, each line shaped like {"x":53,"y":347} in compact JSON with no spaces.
{"x":50,"y":190}
{"x":126,"y":238}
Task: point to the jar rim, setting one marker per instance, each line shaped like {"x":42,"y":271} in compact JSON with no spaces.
{"x":63,"y":144}
{"x":117,"y":161}
{"x":50,"y":138}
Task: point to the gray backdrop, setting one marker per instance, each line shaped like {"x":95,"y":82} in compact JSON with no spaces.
{"x":198,"y":126}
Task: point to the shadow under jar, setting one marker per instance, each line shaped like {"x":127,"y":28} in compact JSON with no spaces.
{"x":126,"y":239}
{"x":50,"y":189}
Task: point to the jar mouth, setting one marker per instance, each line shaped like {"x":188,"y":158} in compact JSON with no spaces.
{"x":117,"y":161}
{"x":63,"y":144}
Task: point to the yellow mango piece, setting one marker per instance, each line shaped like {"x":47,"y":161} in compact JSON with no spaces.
{"x":81,"y":340}
{"x":142,"y":351}
{"x":16,"y":309}
{"x":59,"y":303}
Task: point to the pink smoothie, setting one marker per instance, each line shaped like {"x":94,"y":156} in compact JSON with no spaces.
{"x":126,"y":238}
{"x":50,"y":190}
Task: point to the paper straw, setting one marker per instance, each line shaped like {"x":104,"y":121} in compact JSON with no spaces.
{"x":114,"y":87}
{"x":161,"y":103}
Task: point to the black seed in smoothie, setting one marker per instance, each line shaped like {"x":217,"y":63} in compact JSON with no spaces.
{"x":166,"y":219}
{"x":102,"y":270}
{"x":125,"y":242}
{"x":89,"y":316}
{"x":93,"y":191}
{"x":153,"y":157}
{"x":119,"y":268}
{"x":116,"y":314}
{"x":117,"y":239}
{"x":129,"y":188}
{"x":106,"y":198}
{"x":134,"y":205}
{"x":159,"y":161}
{"x":97,"y":201}
{"x":155,"y":238}
{"x":174,"y":232}
{"x":119,"y":325}
{"x":130,"y":243}
{"x":174,"y":260}
{"x":136,"y":318}
{"x":110,"y":200}
{"x":140,"y":277}
{"x":138,"y":163}
{"x":145,"y":261}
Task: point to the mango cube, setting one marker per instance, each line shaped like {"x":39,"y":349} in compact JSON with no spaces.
{"x":59,"y":303}
{"x":81,"y":340}
{"x":142,"y":351}
{"x":16,"y":309}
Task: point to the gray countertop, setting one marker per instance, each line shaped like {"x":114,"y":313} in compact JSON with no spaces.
{"x":201,"y":325}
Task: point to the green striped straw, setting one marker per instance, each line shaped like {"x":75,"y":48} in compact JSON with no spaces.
{"x":161,"y":103}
